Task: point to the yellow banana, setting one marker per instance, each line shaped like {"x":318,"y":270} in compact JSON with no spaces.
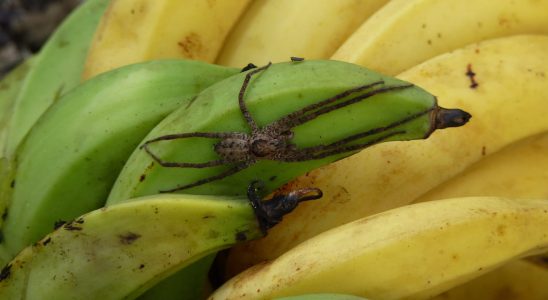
{"x":276,"y":30}
{"x":509,"y":104}
{"x":517,"y":280}
{"x":520,"y":170}
{"x":412,"y":252}
{"x":133,"y":31}
{"x":407,"y":32}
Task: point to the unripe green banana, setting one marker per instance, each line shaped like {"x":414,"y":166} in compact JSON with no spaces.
{"x":57,"y":69}
{"x":289,"y":102}
{"x":119,"y":251}
{"x":10,"y":86}
{"x":71,"y":157}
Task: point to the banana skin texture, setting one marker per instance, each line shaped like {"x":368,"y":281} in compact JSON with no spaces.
{"x":272,"y":94}
{"x":56,"y":70}
{"x":454,"y":240}
{"x":83,"y":141}
{"x":119,"y":251}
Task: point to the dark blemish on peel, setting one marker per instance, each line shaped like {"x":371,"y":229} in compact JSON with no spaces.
{"x":12,"y":184}
{"x":72,"y":226}
{"x":191,"y":102}
{"x":296,"y":59}
{"x":483,"y":151}
{"x":142,"y":266}
{"x":241,"y":236}
{"x":58,"y":224}
{"x":142,"y":178}
{"x":272,"y":178}
{"x":128,"y":238}
{"x":46,"y":241}
{"x":5,"y":273}
{"x":5,"y":214}
{"x":473,"y":83}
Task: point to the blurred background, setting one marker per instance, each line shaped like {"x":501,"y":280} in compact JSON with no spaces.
{"x":25,"y":25}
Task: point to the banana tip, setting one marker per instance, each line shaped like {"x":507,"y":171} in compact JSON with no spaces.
{"x":452,"y":117}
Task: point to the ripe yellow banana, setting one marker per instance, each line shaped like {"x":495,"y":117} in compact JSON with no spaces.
{"x":517,"y":280}
{"x":509,"y":104}
{"x":133,"y":31}
{"x":71,"y":157}
{"x":119,"y":251}
{"x":276,"y":30}
{"x":404,"y":33}
{"x":519,"y":170}
{"x":411,"y":252}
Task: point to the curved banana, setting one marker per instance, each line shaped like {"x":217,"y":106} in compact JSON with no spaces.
{"x":519,"y":170}
{"x":411,"y":252}
{"x":118,"y":251}
{"x":276,"y":30}
{"x":405,"y":33}
{"x":518,"y":280}
{"x":71,"y":158}
{"x":134,"y":31}
{"x":56,"y":70}
{"x":301,"y":115}
{"x":508,"y":105}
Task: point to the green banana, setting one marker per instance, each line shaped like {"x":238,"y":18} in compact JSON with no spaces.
{"x":118,"y":251}
{"x":57,"y":69}
{"x":71,"y":157}
{"x":10,"y":86}
{"x":385,"y":109}
{"x":280,"y":90}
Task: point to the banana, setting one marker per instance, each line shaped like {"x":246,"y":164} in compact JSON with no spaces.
{"x":276,"y":30}
{"x":508,"y":105}
{"x":300,"y":118}
{"x":56,"y":70}
{"x":10,"y":86}
{"x":72,"y":156}
{"x":132,"y":245}
{"x":322,"y":297}
{"x":517,"y":280}
{"x":405,"y":33}
{"x":133,"y":31}
{"x":519,"y":170}
{"x":411,"y":252}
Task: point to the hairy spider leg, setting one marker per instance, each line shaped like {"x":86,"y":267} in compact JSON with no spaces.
{"x":285,"y":123}
{"x":370,"y":132}
{"x":215,"y":135}
{"x":310,"y":154}
{"x":237,"y":168}
{"x":243,"y":108}
{"x":323,"y":110}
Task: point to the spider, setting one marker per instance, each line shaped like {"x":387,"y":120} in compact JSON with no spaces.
{"x":273,"y":141}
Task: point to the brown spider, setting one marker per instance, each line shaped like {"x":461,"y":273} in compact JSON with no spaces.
{"x":273,"y":141}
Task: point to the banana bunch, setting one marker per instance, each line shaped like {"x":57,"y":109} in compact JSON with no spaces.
{"x":126,"y":153}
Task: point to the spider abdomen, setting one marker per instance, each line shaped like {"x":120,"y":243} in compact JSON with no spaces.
{"x":234,"y":149}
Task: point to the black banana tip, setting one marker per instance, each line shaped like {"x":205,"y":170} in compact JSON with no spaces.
{"x":452,"y":117}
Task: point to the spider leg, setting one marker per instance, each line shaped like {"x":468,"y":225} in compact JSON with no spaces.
{"x":219,"y":176}
{"x":310,"y":114}
{"x":218,"y":135}
{"x":296,"y":114}
{"x":318,"y":152}
{"x":370,"y":132}
{"x":243,"y":108}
